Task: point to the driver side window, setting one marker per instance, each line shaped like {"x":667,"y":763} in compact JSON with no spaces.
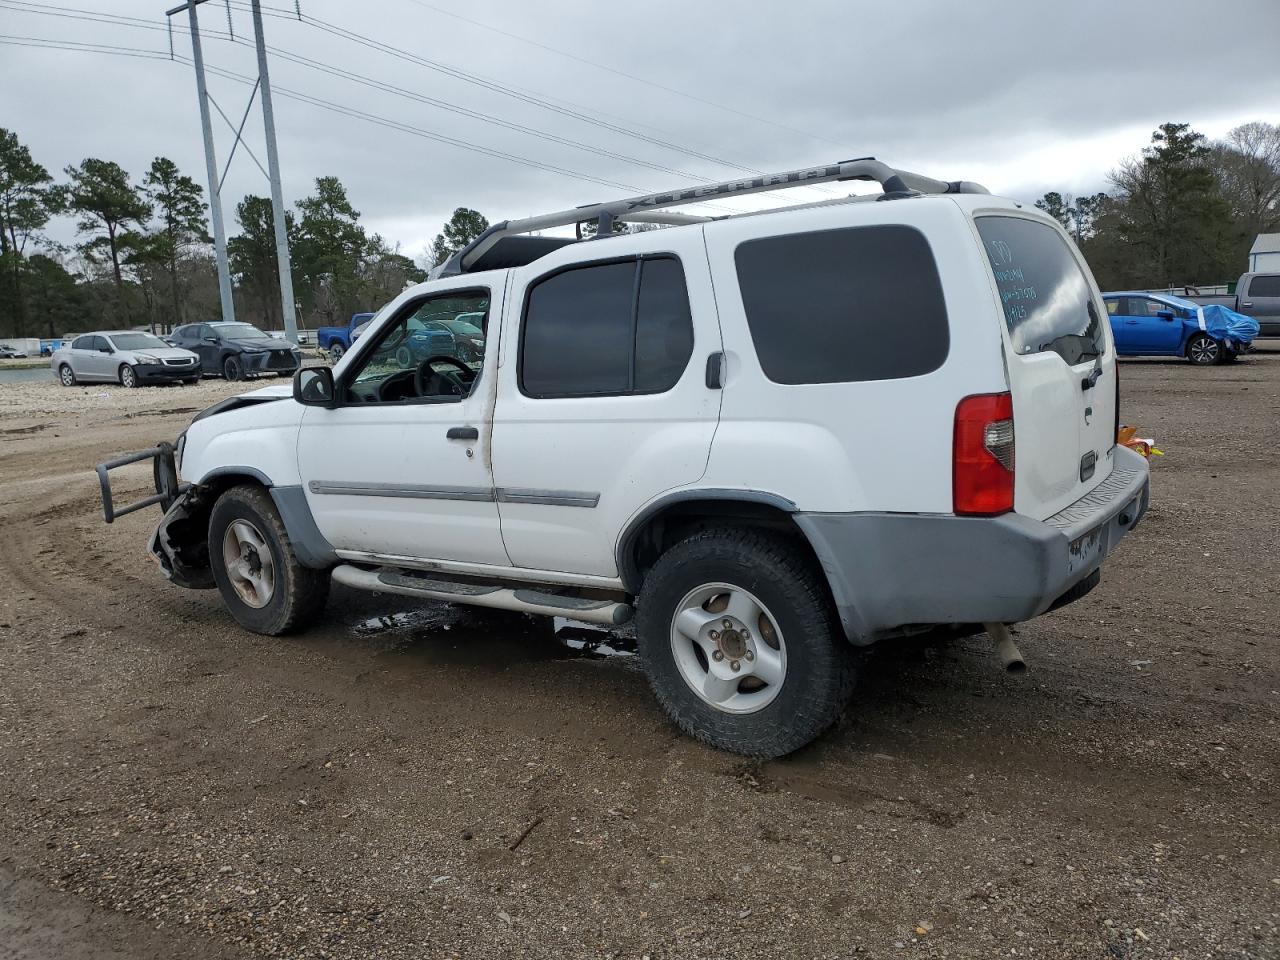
{"x":432,"y":350}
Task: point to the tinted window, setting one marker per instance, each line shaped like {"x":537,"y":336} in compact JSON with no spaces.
{"x":82,"y":343}
{"x":664,"y":326}
{"x":100,"y":343}
{"x":1048,"y":303}
{"x":1268,"y":286}
{"x":1116,"y":307}
{"x":833,"y":306}
{"x":607,"y":329}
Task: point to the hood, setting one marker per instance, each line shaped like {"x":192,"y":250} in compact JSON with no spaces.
{"x":253,"y":397}
{"x":161,"y":353}
{"x":261,"y":343}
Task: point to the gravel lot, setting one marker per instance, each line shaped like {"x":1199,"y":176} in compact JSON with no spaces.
{"x":428,"y":781}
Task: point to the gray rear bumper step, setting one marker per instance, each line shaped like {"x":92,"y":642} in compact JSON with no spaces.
{"x":607,"y":612}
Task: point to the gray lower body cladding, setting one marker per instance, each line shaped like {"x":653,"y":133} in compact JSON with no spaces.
{"x":888,"y":571}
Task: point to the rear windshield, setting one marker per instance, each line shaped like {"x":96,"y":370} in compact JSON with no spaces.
{"x":1048,"y":303}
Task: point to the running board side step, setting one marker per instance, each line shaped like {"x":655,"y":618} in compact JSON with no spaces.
{"x":390,"y":580}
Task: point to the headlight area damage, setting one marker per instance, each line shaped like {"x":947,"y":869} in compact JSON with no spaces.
{"x":179,"y":543}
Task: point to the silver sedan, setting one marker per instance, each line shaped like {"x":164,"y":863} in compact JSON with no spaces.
{"x":127,"y":357}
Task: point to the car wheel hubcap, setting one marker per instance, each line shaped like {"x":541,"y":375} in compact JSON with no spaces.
{"x":1204,"y":350}
{"x":66,"y":376}
{"x":128,"y":377}
{"x":246,"y":556}
{"x":728,"y":648}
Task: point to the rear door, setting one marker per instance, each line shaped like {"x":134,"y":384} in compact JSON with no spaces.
{"x":1261,"y":300}
{"x":604,"y":402}
{"x":1060,"y":360}
{"x":1123,"y":324}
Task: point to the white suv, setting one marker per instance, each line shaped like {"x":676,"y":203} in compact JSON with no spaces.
{"x":776,"y":437}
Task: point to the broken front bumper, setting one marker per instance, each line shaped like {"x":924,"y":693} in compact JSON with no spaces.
{"x":180,"y":541}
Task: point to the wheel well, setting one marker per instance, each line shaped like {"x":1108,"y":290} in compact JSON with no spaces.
{"x":652,"y":535}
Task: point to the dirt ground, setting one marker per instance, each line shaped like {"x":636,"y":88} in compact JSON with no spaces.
{"x":432,"y":782}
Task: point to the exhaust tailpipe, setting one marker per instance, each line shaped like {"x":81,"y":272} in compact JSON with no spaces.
{"x":1008,"y":652}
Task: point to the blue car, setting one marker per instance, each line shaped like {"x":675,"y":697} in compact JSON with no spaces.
{"x":1161,"y":325}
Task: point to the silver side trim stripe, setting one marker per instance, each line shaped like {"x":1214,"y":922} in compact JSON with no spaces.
{"x":552,"y":498}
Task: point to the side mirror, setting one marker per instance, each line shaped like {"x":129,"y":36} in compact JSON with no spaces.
{"x":313,"y":386}
{"x":1165,"y":314}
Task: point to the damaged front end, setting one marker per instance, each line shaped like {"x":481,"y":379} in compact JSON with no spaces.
{"x":180,"y":541}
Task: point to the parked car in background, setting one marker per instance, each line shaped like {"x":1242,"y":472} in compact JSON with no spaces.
{"x":8,"y":353}
{"x":460,"y":337}
{"x":1162,"y":325}
{"x":337,"y":340}
{"x":126,"y":357}
{"x":1257,"y":296}
{"x":237,"y":350}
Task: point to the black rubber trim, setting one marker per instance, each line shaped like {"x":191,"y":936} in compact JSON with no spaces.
{"x":627,"y":571}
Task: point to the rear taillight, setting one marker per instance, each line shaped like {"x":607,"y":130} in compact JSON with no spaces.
{"x":982,"y":455}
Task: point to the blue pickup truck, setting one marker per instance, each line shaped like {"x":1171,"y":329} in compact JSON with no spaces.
{"x":337,"y":340}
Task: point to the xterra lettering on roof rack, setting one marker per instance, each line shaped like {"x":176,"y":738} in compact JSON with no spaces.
{"x":649,"y":209}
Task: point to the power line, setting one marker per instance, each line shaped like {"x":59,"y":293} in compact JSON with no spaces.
{"x":497,"y":87}
{"x":621,"y":73}
{"x":76,"y":13}
{"x":94,"y":16}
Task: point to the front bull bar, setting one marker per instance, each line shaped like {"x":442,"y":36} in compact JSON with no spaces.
{"x":164,"y":471}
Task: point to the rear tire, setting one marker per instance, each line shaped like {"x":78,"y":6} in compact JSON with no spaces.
{"x":795,"y":669}
{"x":336,"y":351}
{"x":128,"y":377}
{"x":66,"y":376}
{"x":233,"y":368}
{"x":261,"y":581}
{"x":1203,"y":350}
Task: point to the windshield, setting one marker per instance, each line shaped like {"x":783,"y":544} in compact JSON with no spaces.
{"x":1048,"y":302}
{"x":137,"y":341}
{"x":239,"y":331}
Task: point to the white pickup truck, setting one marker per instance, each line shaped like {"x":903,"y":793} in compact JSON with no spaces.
{"x":774,"y":437}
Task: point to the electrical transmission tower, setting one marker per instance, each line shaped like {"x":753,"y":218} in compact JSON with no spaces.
{"x":263,"y":87}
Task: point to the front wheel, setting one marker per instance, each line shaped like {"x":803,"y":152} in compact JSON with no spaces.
{"x":232,"y":368}
{"x":1203,"y":350}
{"x":336,"y":351}
{"x":128,"y":377}
{"x":741,"y":644}
{"x":262,"y":583}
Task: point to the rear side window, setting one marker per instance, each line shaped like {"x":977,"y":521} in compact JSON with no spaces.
{"x":1268,"y":286}
{"x":835,"y":306}
{"x":609,"y":329}
{"x":1048,"y":304}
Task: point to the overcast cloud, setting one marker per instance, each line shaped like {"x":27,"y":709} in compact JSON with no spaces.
{"x":1022,"y":96}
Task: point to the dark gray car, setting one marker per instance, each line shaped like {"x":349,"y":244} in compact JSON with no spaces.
{"x":237,"y":350}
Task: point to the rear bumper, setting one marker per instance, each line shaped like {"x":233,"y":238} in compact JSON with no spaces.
{"x":893,"y":571}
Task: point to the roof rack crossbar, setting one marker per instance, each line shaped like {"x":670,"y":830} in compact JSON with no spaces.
{"x":647,"y":208}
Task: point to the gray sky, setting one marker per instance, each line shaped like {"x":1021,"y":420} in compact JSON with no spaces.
{"x":1024,"y":96}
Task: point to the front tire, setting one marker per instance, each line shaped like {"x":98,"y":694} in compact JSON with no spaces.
{"x":66,"y":376}
{"x":741,"y":643}
{"x":335,"y":352}
{"x":128,"y":377}
{"x":1203,"y":350}
{"x":233,"y":368}
{"x":261,"y":581}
